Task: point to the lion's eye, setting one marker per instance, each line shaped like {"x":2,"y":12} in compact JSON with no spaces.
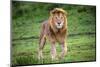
{"x":61,"y":17}
{"x":56,"y":17}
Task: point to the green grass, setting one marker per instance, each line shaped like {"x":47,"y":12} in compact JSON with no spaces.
{"x":80,"y":48}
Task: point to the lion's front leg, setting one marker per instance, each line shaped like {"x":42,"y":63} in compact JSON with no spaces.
{"x":53,"y":51}
{"x":64,"y":50}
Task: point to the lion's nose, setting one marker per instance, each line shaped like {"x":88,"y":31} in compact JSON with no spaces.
{"x":59,"y":23}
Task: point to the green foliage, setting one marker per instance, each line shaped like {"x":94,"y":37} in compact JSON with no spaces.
{"x":27,"y":17}
{"x":26,"y":22}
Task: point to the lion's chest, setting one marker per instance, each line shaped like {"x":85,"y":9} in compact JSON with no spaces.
{"x":59,"y":37}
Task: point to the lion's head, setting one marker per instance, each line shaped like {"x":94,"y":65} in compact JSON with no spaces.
{"x":58,"y":18}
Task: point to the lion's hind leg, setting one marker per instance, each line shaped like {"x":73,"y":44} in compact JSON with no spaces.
{"x":41,"y":46}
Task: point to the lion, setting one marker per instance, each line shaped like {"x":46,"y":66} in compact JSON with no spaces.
{"x":55,"y":30}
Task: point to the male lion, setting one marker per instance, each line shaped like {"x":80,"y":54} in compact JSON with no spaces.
{"x":54,"y":29}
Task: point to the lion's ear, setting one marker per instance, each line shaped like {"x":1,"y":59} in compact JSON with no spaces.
{"x":52,"y":12}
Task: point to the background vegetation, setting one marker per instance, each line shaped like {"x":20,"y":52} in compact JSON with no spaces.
{"x":26,"y":21}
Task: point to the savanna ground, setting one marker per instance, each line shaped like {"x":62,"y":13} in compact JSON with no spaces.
{"x":26,"y":25}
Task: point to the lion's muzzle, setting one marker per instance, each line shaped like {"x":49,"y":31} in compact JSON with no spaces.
{"x":59,"y":25}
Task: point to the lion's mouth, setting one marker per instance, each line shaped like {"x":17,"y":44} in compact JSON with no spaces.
{"x":59,"y":26}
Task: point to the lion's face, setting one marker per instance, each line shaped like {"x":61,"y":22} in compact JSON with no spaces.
{"x":58,"y":20}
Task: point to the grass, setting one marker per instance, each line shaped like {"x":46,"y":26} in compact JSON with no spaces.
{"x":80,"y":48}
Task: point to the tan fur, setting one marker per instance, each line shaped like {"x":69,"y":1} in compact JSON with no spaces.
{"x":53,"y":34}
